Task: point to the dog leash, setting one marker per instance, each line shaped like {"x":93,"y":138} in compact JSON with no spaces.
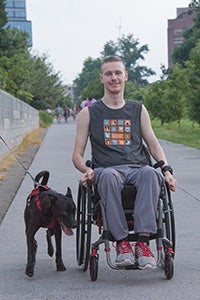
{"x":189,"y":194}
{"x":19,"y":161}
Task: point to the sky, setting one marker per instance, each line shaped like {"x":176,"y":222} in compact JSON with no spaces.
{"x":69,"y":31}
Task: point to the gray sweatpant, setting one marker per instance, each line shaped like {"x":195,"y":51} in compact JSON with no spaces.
{"x":111,"y":181}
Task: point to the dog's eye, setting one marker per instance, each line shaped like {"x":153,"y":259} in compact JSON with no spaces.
{"x":64,"y":213}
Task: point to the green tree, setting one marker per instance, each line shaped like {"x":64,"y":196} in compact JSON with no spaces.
{"x":29,"y":77}
{"x":94,"y":89}
{"x":90,"y":72}
{"x":191,"y":37}
{"x":165,"y":99}
{"x":15,"y":73}
{"x":129,"y":50}
{"x":194,"y":4}
{"x":193,"y":92}
{"x":110,"y":48}
{"x":13,"y":41}
{"x":3,"y":15}
{"x":44,"y":83}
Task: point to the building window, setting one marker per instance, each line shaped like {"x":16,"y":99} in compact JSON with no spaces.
{"x":9,"y":4}
{"x":20,"y":14}
{"x":19,"y":4}
{"x":178,"y":34}
{"x":10,"y":14}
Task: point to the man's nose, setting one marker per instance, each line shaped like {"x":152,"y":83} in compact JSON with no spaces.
{"x":114,"y":76}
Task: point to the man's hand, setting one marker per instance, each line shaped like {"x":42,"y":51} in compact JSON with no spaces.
{"x":89,"y":174}
{"x":171,"y":181}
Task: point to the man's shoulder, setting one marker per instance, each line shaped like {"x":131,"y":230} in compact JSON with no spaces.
{"x":134,"y":103}
{"x":97,"y":103}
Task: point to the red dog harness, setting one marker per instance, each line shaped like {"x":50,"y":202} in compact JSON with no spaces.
{"x":35,"y":192}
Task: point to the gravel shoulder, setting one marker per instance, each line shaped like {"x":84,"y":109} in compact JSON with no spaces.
{"x":15,"y":175}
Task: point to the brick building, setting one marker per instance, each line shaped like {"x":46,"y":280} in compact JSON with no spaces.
{"x":176,"y":28}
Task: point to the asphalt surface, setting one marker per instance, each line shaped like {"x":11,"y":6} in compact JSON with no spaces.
{"x":54,"y":155}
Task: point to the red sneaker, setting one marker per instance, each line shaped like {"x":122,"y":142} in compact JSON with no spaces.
{"x":144,"y":256}
{"x":125,"y":255}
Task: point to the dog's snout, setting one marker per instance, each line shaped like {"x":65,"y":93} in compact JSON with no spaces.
{"x":74,"y":224}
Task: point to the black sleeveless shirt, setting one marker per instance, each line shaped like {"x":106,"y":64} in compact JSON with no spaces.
{"x":115,"y":135}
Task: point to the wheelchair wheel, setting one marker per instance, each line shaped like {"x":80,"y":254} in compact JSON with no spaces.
{"x":94,"y":260}
{"x":168,"y":228}
{"x":169,"y":266}
{"x":173,"y":232}
{"x":83,"y":230}
{"x":168,"y":218}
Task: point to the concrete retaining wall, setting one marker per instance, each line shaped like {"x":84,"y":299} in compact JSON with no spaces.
{"x":17,"y":118}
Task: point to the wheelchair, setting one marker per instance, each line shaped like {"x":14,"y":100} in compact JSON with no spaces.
{"x":90,"y":212}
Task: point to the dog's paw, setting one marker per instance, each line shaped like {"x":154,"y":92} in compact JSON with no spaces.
{"x":29,"y":271}
{"x":61,"y":267}
{"x":50,"y":251}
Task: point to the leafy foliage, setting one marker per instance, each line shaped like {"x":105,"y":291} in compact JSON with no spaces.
{"x":193,"y":77}
{"x":165,"y":99}
{"x":3,"y":16}
{"x":29,"y":77}
{"x":90,"y":72}
{"x":13,"y":41}
{"x":87,"y":83}
{"x":191,"y":37}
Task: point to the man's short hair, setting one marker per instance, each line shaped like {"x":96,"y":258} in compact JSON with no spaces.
{"x":111,"y":58}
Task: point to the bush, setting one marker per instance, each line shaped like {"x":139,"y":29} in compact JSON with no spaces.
{"x":46,"y":119}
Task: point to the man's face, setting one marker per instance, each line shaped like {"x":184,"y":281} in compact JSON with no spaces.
{"x":113,"y":77}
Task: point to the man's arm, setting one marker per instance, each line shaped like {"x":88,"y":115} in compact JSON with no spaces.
{"x":150,"y":138}
{"x":82,"y":132}
{"x":154,"y":146}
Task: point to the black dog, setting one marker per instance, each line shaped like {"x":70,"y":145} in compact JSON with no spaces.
{"x":49,"y":209}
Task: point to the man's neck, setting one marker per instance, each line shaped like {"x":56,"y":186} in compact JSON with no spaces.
{"x":113,"y":101}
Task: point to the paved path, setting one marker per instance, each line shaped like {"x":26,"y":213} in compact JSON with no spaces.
{"x":55,"y":156}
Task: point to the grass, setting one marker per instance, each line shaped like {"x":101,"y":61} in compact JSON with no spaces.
{"x":45,"y":119}
{"x":186,"y":133}
{"x":7,"y":161}
{"x":30,"y":139}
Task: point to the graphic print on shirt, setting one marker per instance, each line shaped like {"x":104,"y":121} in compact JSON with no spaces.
{"x":117,"y":132}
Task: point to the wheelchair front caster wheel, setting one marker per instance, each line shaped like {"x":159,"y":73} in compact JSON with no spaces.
{"x":169,"y":266}
{"x":94,"y":267}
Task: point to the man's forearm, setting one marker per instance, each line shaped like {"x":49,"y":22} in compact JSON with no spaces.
{"x":79,"y":163}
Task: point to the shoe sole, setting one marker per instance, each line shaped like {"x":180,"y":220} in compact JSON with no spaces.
{"x":147,"y":267}
{"x":125,"y":263}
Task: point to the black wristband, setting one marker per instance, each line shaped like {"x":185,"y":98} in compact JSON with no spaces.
{"x":167,"y":168}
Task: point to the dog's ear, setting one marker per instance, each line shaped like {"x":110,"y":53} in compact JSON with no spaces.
{"x":69,"y":193}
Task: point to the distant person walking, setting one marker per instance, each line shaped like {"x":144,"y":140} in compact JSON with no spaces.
{"x":66,"y":113}
{"x":89,"y":101}
{"x":75,"y":112}
{"x":58,"y":113}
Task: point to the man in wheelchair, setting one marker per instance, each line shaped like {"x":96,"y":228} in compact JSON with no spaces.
{"x":117,"y":128}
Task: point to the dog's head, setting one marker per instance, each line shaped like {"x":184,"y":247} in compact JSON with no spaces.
{"x":62,"y":207}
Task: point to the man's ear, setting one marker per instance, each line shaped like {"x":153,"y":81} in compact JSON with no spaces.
{"x":126,"y":75}
{"x":101,"y":78}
